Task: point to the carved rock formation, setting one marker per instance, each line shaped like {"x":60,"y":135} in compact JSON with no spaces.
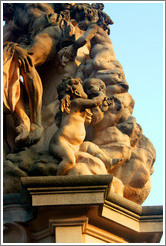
{"x":67,"y":109}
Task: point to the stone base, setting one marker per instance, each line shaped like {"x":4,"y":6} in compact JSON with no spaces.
{"x":77,"y":209}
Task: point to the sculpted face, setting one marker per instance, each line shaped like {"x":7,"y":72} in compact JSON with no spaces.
{"x":86,"y":16}
{"x":92,"y":87}
{"x":78,"y":90}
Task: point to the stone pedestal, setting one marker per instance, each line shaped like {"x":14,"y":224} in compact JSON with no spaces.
{"x":77,"y":209}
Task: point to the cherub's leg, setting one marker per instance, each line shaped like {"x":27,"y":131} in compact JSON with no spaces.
{"x":34,"y":89}
{"x":62,"y":150}
{"x":94,"y":150}
{"x":23,"y":128}
{"x":89,"y":163}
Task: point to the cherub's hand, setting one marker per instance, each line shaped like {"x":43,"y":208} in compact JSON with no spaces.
{"x":111,"y":102}
{"x":67,"y":54}
{"x":104,"y":105}
{"x":24,"y":59}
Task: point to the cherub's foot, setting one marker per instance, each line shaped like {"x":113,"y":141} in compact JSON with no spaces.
{"x":23,"y":134}
{"x":35,"y":134}
{"x":63,"y":168}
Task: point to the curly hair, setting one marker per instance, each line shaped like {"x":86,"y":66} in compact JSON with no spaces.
{"x":66,"y":86}
{"x":66,"y":89}
{"x":81,"y":11}
{"x":93,"y":13}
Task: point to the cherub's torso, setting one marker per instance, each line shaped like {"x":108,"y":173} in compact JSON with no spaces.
{"x":73,"y":127}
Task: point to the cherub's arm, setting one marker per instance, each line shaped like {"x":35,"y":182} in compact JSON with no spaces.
{"x":88,"y":35}
{"x":82,"y":103}
{"x":71,"y":51}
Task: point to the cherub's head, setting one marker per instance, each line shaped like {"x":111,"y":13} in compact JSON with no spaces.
{"x":72,"y":87}
{"x":103,"y":19}
{"x":84,"y":14}
{"x":93,"y":86}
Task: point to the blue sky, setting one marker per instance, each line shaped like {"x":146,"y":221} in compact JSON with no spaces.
{"x":137,"y":37}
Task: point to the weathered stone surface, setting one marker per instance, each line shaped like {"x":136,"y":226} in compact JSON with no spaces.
{"x":67,"y":109}
{"x":83,"y":208}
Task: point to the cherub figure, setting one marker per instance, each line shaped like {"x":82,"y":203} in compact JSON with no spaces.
{"x":67,"y":143}
{"x":105,"y":115}
{"x":102,"y":63}
{"x":105,"y":119}
{"x":74,"y":107}
{"x":95,"y":24}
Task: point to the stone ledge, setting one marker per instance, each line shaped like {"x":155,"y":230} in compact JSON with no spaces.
{"x":63,"y":181}
{"x":82,"y":205}
{"x":135,"y":209}
{"x":67,"y":190}
{"x":126,"y":218}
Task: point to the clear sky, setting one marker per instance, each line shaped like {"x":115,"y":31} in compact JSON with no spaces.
{"x":137,"y":37}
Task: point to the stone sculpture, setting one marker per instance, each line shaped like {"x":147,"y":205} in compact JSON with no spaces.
{"x":67,"y":109}
{"x":29,"y":130}
{"x":68,"y":142}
